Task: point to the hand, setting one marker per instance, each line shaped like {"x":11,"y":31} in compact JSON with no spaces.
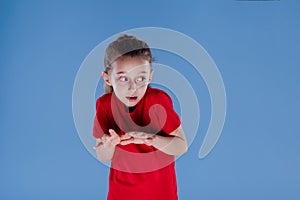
{"x":137,"y":138}
{"x":107,"y":140}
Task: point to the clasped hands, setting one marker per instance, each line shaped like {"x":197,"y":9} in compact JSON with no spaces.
{"x":114,"y":139}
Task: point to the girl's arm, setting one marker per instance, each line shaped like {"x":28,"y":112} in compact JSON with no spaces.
{"x":173,"y":144}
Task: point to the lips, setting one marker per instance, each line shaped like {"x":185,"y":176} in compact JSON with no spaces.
{"x":132,"y":99}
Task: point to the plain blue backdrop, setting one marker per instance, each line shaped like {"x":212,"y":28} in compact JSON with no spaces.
{"x":255,"y":45}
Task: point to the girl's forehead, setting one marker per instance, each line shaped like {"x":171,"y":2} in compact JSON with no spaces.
{"x":131,"y":65}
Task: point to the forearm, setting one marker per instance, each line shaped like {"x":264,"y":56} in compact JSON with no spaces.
{"x":173,"y":144}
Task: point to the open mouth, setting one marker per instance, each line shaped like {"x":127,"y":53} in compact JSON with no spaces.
{"x":131,"y":99}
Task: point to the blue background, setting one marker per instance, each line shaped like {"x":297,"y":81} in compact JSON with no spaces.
{"x":254,"y":44}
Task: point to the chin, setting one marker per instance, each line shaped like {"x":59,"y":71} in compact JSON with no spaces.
{"x":130,"y":104}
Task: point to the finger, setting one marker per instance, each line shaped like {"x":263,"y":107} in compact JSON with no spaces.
{"x":113,"y":133}
{"x":126,"y":136}
{"x":136,"y":134}
{"x":140,"y":135}
{"x":103,"y":138}
{"x":98,"y":145}
{"x":145,"y":135}
{"x":132,"y":133}
{"x":138,"y":141}
{"x":99,"y":140}
{"x":128,"y":141}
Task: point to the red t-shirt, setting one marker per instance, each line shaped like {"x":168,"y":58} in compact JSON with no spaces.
{"x":139,"y":171}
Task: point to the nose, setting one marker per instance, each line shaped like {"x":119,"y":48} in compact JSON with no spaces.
{"x":132,"y":86}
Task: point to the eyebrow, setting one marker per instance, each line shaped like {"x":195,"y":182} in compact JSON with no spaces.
{"x":121,"y":72}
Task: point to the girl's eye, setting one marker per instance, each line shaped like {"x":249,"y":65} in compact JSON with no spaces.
{"x":123,"y":79}
{"x":140,"y":79}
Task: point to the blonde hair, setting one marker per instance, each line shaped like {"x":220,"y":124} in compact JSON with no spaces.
{"x":125,"y":45}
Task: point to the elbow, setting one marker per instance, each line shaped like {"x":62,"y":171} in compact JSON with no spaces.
{"x":185,"y":149}
{"x":182,"y":151}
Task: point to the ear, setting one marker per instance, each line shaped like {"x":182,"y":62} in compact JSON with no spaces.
{"x":151,"y":74}
{"x":106,"y":78}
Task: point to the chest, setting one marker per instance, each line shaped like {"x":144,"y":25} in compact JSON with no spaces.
{"x":138,"y":119}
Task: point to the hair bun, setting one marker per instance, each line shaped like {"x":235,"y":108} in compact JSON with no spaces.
{"x":125,"y":36}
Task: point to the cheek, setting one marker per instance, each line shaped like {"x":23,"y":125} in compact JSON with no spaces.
{"x":120,"y":89}
{"x":120,"y":86}
{"x":142,"y":89}
{"x":117,"y":84}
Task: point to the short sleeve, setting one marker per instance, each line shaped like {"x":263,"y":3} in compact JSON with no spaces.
{"x":168,"y":119}
{"x":101,"y":122}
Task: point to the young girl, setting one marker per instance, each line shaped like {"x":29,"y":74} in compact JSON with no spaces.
{"x":136,"y":126}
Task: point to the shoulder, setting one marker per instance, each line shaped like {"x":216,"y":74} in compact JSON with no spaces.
{"x":155,"y":92}
{"x":104,"y":100}
{"x":158,"y":95}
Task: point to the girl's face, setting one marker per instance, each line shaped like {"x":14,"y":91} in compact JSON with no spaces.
{"x":129,"y":77}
